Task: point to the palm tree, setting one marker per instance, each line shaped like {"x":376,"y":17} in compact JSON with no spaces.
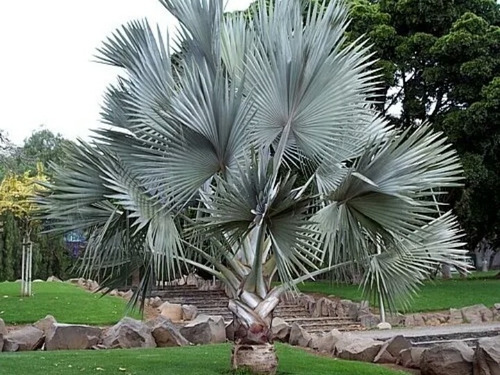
{"x":254,"y":157}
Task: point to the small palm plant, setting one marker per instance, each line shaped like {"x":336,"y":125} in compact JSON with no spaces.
{"x":253,"y":155}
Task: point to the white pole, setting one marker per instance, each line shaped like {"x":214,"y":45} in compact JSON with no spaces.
{"x":22,"y":269}
{"x":30,"y":266}
{"x":381,"y":300}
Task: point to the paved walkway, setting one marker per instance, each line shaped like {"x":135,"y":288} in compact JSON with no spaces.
{"x":429,"y":331}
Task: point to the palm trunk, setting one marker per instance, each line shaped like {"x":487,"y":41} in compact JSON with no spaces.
{"x":253,"y":349}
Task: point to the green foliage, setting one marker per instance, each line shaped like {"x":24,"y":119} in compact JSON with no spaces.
{"x":67,"y":303}
{"x":195,"y":360}
{"x":11,"y":254}
{"x":439,"y":62}
{"x":50,"y":256}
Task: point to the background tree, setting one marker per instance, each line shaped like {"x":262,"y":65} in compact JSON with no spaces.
{"x":439,"y":62}
{"x":202,"y":170}
{"x":51,"y":256}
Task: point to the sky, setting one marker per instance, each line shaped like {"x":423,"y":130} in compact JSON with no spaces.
{"x":48,"y":74}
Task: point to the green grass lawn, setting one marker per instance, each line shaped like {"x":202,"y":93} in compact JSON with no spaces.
{"x":202,"y":360}
{"x":433,"y":296}
{"x":66,"y":302}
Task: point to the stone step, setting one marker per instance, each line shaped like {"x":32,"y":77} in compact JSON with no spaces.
{"x":348,"y":328}
{"x":205,"y":295}
{"x":326,"y":326}
{"x":320,"y":319}
{"x":184,"y":301}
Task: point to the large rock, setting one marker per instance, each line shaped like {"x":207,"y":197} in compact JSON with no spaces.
{"x":369,"y":320}
{"x":54,"y":279}
{"x":205,"y":330}
{"x":411,"y":358}
{"x":165,"y":333}
{"x":1,"y":342}
{"x":26,"y":338}
{"x":414,"y":320}
{"x":487,"y":357}
{"x":326,"y":343}
{"x":189,"y":312}
{"x":357,"y":348}
{"x":456,"y":316}
{"x":46,"y":324}
{"x":477,"y":314}
{"x":72,"y":337}
{"x":389,"y":352}
{"x":350,"y":309}
{"x":129,"y":333}
{"x":155,"y":302}
{"x":299,"y":336}
{"x":452,"y":358}
{"x":172,"y":311}
{"x":280,"y":330}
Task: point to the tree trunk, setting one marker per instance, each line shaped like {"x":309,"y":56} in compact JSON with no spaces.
{"x":136,"y":278}
{"x":483,"y":251}
{"x":253,"y":349}
{"x":446,"y":271}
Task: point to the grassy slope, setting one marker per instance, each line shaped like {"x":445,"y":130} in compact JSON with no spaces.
{"x":200,"y":360}
{"x":67,"y":303}
{"x":433,"y":296}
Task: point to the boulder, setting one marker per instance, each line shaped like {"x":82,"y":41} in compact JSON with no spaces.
{"x":435,"y":319}
{"x":369,"y":320}
{"x":192,"y":279}
{"x":384,"y":326}
{"x":113,"y":293}
{"x":389,"y":352}
{"x":46,"y":324}
{"x":172,"y":311}
{"x":357,"y":348}
{"x":299,"y":336}
{"x":1,"y":342}
{"x":93,"y":286}
{"x":189,"y":312}
{"x":128,"y":295}
{"x":129,"y":333}
{"x":477,"y":314}
{"x":411,"y":357}
{"x":72,"y":337}
{"x":350,"y":308}
{"x":414,"y":320}
{"x":26,"y":338}
{"x":155,"y":302}
{"x":452,"y":358}
{"x":280,"y":330}
{"x":487,"y":356}
{"x":165,"y":333}
{"x":396,"y":319}
{"x":456,"y":317}
{"x":205,"y":330}
{"x":78,"y":281}
{"x":325,"y":343}
{"x":3,"y":328}
{"x":54,"y":279}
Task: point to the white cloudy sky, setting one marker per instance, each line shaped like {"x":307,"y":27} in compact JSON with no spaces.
{"x":47,"y":73}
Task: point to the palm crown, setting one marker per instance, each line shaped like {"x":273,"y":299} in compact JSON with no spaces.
{"x":254,"y":151}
